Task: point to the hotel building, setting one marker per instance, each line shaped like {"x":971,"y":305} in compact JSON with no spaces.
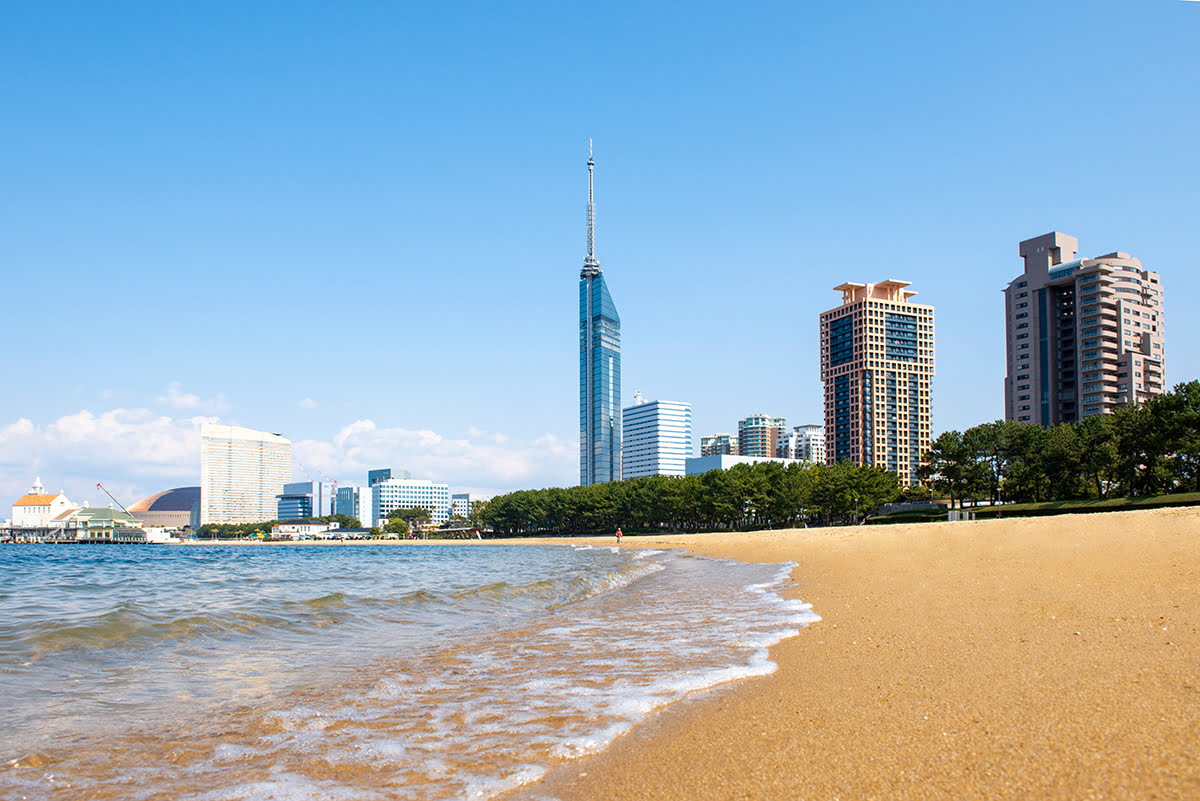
{"x":877,"y":365}
{"x":1084,"y":335}
{"x":656,"y":438}
{"x":241,"y":473}
{"x":599,"y":366}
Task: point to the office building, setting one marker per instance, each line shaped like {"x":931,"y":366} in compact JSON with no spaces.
{"x":719,"y":445}
{"x":656,"y":438}
{"x":1084,"y":335}
{"x":304,"y":499}
{"x":241,"y":472}
{"x":599,"y":365}
{"x":805,"y":443}
{"x":408,"y":493}
{"x":877,"y":366}
{"x":758,"y":435}
{"x":356,"y":502}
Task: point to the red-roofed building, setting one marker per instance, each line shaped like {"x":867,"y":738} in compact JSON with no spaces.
{"x":37,"y":508}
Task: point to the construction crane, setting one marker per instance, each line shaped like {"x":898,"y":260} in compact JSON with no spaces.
{"x":100,"y":486}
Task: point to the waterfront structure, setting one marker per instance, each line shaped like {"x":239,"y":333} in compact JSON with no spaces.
{"x":306,"y":529}
{"x":37,"y":508}
{"x":698,"y":465}
{"x":1083,"y":335}
{"x":169,"y":509}
{"x":719,"y":445}
{"x":409,"y":493}
{"x":356,"y":502}
{"x":656,"y":438}
{"x":759,"y":434}
{"x":877,"y":364}
{"x":805,"y":443}
{"x":599,"y":365}
{"x":305,"y":499}
{"x":241,"y":473}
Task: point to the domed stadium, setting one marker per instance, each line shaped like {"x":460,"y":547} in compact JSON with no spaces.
{"x":170,"y":508}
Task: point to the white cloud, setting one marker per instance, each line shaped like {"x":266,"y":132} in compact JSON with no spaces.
{"x":133,"y":451}
{"x":176,"y":398}
{"x":483,"y":460}
{"x":136,"y":452}
{"x":307,"y":403}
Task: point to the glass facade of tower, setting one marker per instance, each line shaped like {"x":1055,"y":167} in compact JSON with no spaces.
{"x":599,"y":382}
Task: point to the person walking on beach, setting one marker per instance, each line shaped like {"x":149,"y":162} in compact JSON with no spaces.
{"x":618,"y":537}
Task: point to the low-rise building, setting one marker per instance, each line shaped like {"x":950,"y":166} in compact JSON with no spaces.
{"x":702,"y":464}
{"x":317,"y":529}
{"x":719,"y":445}
{"x":37,"y":508}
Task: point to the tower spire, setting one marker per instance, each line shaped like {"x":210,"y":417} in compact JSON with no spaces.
{"x":590,"y":264}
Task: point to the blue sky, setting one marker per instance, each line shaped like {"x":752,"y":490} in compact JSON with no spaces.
{"x":362,"y":227}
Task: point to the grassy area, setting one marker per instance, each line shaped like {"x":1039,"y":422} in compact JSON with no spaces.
{"x":1048,"y":508}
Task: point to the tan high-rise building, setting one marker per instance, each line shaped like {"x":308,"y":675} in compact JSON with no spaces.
{"x":1084,"y":335}
{"x":877,"y":365}
{"x":758,"y":435}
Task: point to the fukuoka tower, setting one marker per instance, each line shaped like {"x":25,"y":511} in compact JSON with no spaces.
{"x":599,"y":364}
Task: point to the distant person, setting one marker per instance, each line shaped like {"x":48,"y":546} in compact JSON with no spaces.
{"x":618,"y":537}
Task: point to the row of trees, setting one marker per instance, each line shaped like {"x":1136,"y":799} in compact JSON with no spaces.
{"x":1137,"y":450}
{"x":761,"y":495}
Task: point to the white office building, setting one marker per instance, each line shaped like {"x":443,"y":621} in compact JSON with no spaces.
{"x":656,"y":438}
{"x":410,"y":493}
{"x":805,"y":443}
{"x":241,"y":473}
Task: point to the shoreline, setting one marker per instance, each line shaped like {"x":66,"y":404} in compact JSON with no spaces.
{"x":1019,"y":658}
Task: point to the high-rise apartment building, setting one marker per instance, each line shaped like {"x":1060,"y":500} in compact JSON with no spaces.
{"x":656,"y":438}
{"x":599,"y":365}
{"x":241,"y":473}
{"x":758,"y":435}
{"x":806,"y":443}
{"x":1084,"y":335}
{"x":877,"y":366}
{"x":719,"y":445}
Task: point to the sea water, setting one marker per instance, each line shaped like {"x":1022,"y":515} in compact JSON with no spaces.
{"x":365,"y":671}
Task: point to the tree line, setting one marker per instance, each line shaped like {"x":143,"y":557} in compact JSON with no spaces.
{"x":760,"y":495}
{"x":1137,"y":450}
{"x":1151,"y":449}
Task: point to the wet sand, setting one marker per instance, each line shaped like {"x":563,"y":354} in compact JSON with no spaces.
{"x":1027,"y":658}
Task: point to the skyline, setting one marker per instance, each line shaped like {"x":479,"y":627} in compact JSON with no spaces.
{"x":337,"y":188}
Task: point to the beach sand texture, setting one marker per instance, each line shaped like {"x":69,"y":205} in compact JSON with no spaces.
{"x":1027,"y":658}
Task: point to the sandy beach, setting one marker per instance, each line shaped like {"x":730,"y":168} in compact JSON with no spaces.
{"x":1027,"y":658}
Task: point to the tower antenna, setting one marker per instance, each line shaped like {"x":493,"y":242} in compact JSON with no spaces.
{"x":589,"y":261}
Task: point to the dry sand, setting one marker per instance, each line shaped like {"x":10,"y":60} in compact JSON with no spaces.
{"x":1028,"y":658}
